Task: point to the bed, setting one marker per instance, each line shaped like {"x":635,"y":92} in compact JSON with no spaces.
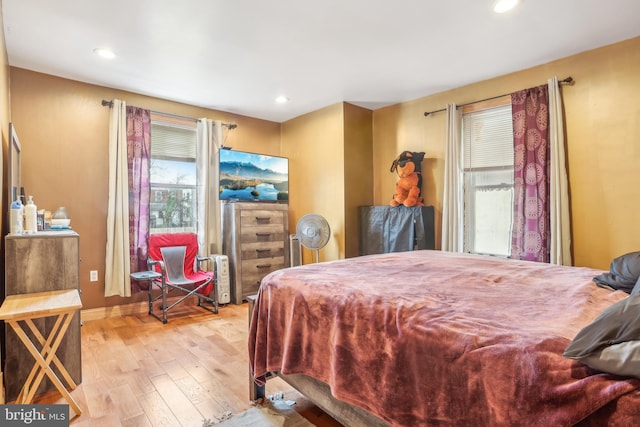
{"x":439,"y":339}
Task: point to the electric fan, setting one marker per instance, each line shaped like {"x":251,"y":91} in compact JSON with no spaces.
{"x":313,"y":232}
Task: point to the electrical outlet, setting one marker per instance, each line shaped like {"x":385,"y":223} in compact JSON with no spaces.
{"x":93,"y":275}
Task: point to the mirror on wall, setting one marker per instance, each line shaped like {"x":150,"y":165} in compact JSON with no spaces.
{"x":14,"y":174}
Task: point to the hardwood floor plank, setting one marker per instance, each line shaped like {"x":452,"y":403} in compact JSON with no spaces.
{"x":157,"y":411}
{"x":125,"y":402}
{"x":148,"y":364}
{"x":198,"y":371}
{"x":91,"y":370}
{"x":218,"y":402}
{"x":139,"y":382}
{"x":186,"y":413}
{"x":192,"y":389}
{"x":137,"y":421}
{"x":110,"y":420}
{"x":160,"y":349}
{"x":98,"y":400}
{"x":174,"y":369}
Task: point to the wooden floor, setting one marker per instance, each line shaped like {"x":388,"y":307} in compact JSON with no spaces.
{"x":138,"y":372}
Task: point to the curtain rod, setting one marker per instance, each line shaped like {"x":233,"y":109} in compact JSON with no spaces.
{"x":569,"y":81}
{"x":106,"y":103}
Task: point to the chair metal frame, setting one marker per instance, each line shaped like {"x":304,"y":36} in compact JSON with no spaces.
{"x":173,"y":278}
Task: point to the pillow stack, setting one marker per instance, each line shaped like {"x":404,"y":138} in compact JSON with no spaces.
{"x":611,"y":343}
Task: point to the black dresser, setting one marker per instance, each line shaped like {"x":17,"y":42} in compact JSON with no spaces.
{"x":384,"y":229}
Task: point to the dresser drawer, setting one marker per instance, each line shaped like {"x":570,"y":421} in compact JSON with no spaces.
{"x":262,"y":234}
{"x":259,"y":250}
{"x":254,"y":217}
{"x":254,"y":270}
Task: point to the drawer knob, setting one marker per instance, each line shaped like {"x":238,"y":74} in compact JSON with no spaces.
{"x":263,"y":234}
{"x":263,"y":218}
{"x":263,"y":250}
{"x":263,"y":265}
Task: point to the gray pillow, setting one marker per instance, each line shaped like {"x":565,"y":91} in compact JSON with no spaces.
{"x":611,"y":343}
{"x":619,"y":359}
{"x":623,"y":273}
{"x":636,"y":288}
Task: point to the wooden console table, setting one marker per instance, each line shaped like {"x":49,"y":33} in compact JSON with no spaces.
{"x":61,"y":304}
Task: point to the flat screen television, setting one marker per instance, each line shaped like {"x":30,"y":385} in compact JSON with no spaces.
{"x":254,"y":177}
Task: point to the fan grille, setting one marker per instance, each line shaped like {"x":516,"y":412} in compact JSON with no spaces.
{"x":313,"y":231}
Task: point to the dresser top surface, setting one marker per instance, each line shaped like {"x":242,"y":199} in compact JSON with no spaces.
{"x":46,"y":233}
{"x":254,"y":205}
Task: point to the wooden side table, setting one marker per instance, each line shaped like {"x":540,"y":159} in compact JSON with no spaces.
{"x":25,"y":308}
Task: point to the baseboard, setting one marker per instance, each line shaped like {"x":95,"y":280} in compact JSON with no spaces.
{"x":114,"y":311}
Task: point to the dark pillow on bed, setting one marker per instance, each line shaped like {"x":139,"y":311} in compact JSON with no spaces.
{"x":623,"y":273}
{"x":611,"y":343}
{"x":636,"y":288}
{"x":619,"y":359}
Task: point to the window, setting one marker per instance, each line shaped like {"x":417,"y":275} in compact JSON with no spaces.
{"x":488,"y":180}
{"x":172,"y":176}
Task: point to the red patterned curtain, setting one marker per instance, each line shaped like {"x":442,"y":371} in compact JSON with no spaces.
{"x":531,"y":221}
{"x":138,"y":157}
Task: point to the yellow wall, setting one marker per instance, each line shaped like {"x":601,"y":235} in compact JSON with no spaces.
{"x":5,"y":118}
{"x":330,"y":154}
{"x":64,"y":132}
{"x":603,"y":144}
{"x":314,"y":145}
{"x":358,"y":158}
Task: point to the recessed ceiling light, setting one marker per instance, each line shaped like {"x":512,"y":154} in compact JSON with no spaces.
{"x":282,"y":99}
{"x":105,"y":53}
{"x":502,"y":6}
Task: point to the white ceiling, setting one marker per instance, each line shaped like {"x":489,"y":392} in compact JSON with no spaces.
{"x":238,"y":55}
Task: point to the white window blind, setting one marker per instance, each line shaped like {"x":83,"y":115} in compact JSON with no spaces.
{"x":488,"y":138}
{"x":172,"y":142}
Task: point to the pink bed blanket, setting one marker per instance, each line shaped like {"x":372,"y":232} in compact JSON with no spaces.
{"x":430,"y":338}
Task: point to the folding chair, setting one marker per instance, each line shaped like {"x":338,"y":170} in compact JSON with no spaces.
{"x":175,"y":257}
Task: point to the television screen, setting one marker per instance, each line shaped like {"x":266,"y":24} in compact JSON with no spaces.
{"x":255,"y":177}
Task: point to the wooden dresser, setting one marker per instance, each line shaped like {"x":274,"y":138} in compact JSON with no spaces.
{"x":255,"y":239}
{"x":45,"y":261}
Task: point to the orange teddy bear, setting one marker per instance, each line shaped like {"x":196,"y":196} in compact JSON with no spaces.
{"x":408,"y":166}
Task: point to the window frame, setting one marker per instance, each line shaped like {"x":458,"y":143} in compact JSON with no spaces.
{"x":469,"y":208}
{"x":159,"y":119}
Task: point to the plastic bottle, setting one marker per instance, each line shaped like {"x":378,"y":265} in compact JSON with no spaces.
{"x":15,"y":218}
{"x":30,"y":217}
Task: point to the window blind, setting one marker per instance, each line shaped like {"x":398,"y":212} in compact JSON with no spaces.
{"x":173,"y":142}
{"x":488,"y":141}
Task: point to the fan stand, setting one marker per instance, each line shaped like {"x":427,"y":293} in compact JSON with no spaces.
{"x":317,"y":255}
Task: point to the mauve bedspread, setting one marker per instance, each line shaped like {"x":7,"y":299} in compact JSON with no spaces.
{"x":441,"y":339}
